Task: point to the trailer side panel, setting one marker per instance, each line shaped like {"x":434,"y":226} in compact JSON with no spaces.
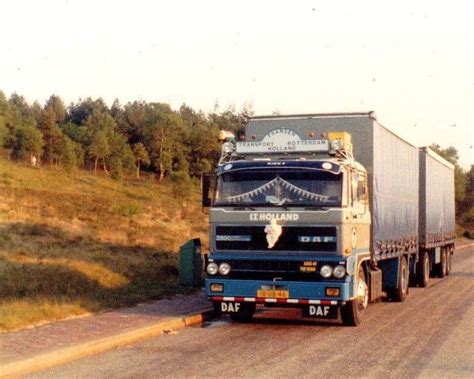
{"x":437,"y":224}
{"x":395,"y":195}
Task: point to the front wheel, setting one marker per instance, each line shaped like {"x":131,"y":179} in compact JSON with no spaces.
{"x":353,"y":310}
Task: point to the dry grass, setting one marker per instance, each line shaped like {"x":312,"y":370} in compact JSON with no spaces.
{"x":72,"y":244}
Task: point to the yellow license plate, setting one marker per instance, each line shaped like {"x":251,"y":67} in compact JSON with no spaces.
{"x":276,"y":294}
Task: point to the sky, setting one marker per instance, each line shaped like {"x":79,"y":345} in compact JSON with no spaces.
{"x":409,"y":61}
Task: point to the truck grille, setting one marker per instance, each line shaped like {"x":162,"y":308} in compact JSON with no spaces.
{"x":269,"y":270}
{"x":292,"y":238}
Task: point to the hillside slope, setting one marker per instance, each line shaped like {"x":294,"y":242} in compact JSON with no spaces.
{"x":77,"y":243}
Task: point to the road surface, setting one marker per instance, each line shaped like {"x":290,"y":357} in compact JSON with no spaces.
{"x":430,"y":335}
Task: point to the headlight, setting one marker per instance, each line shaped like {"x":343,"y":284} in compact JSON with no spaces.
{"x":339,"y":271}
{"x":212,"y":268}
{"x":228,"y":147}
{"x":326,"y":271}
{"x":336,"y":144}
{"x":224,"y":268}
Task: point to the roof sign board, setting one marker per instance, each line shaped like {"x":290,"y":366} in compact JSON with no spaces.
{"x":282,"y":140}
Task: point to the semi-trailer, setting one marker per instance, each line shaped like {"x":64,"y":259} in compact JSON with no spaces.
{"x":436,"y":225}
{"x":325,"y":212}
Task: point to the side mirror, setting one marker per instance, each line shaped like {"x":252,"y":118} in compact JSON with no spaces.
{"x":206,"y":183}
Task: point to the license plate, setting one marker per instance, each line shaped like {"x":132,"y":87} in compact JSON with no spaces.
{"x":276,"y":294}
{"x":320,"y":311}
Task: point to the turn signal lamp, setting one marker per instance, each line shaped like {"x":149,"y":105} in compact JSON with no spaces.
{"x":217,"y":287}
{"x":340,"y":141}
{"x":332,"y":292}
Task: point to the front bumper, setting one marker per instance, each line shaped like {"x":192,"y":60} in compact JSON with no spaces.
{"x":298,"y":292}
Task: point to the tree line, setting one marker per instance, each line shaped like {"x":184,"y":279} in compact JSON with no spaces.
{"x":124,"y":139}
{"x":120,"y":140}
{"x":464,"y":189}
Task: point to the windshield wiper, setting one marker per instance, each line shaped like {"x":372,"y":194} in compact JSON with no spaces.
{"x":242,"y":208}
{"x":316,"y":208}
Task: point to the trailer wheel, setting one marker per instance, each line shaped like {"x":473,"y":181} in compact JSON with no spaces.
{"x":401,"y":292}
{"x":442,"y":266}
{"x":423,"y":269}
{"x":449,"y":263}
{"x":353,"y":310}
{"x":245,"y":314}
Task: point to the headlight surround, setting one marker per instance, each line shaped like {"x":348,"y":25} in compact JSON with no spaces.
{"x":224,"y":269}
{"x":339,"y":271}
{"x":326,"y":271}
{"x":212,"y":268}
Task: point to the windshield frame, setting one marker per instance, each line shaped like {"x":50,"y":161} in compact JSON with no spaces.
{"x":284,"y":170}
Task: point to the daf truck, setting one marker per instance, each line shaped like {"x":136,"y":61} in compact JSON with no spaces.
{"x":324,"y":212}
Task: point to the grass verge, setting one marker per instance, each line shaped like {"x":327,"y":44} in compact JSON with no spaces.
{"x":74,"y":244}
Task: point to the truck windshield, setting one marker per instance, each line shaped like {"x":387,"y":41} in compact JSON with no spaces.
{"x":279,"y":188}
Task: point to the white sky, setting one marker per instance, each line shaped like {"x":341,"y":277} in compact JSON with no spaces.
{"x":410,"y":61}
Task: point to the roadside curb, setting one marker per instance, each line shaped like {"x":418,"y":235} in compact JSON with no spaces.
{"x":469,"y":244}
{"x":69,"y":354}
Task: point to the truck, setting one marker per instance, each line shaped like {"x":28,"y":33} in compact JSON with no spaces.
{"x":326,"y":213}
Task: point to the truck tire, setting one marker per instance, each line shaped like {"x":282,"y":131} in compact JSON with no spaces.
{"x":423,"y":269}
{"x":441,"y":266}
{"x":449,"y":262}
{"x":245,"y":314}
{"x":401,"y":292}
{"x":352,"y":312}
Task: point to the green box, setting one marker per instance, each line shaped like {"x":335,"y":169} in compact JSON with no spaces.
{"x":190,"y":263}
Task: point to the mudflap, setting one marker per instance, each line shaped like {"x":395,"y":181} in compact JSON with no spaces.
{"x":375,"y":284}
{"x":389,"y":267}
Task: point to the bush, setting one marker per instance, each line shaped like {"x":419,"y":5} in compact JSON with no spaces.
{"x":468,"y":234}
{"x":128,"y":210}
{"x":182,"y":184}
{"x":468,"y":217}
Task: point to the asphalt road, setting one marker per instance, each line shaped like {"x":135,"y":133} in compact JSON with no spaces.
{"x":430,"y":335}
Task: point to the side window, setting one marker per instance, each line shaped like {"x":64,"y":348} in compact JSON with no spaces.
{"x":355,"y":186}
{"x":362,"y":193}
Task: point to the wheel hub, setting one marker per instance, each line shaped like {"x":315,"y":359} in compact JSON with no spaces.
{"x":426,"y":270}
{"x":362,"y":294}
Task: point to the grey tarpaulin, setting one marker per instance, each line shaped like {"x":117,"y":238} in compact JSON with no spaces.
{"x":392,"y":164}
{"x":436,"y":199}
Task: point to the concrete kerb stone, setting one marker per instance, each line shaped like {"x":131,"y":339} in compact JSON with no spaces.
{"x":464,"y":245}
{"x":69,"y":354}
